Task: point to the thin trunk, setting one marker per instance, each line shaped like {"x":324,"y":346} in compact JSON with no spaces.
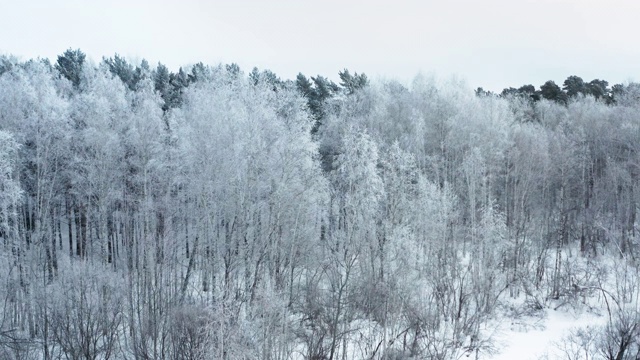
{"x":69,"y":226}
{"x":54,"y":237}
{"x":83,"y":231}
{"x":160,"y":229}
{"x":58,"y":224}
{"x":110,"y":238}
{"x":190,"y":267}
{"x":76,"y":219}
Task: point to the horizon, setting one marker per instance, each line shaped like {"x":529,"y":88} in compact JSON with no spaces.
{"x":493,"y":45}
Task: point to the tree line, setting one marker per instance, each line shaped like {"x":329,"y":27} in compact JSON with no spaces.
{"x":574,"y":86}
{"x":211,"y":213}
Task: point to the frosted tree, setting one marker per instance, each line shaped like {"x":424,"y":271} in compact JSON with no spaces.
{"x":351,"y":240}
{"x":10,"y":242}
{"x":99,"y":114}
{"x":10,"y":190}
{"x":32,"y":110}
{"x":253,"y":176}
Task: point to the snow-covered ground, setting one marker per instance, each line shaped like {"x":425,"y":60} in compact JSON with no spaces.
{"x":541,"y":338}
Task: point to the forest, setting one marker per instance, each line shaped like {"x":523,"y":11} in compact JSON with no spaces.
{"x":210,"y":213}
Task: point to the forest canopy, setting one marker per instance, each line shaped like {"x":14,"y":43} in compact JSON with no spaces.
{"x":210,"y":213}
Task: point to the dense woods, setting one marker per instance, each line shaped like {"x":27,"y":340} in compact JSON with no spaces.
{"x":211,"y":213}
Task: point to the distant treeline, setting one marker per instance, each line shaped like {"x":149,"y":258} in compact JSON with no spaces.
{"x":573,"y":86}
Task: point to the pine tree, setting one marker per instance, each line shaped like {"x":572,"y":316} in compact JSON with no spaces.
{"x":161,"y":78}
{"x":118,"y":66}
{"x":352,"y":83}
{"x":551,"y":91}
{"x":574,"y":85}
{"x":69,"y":65}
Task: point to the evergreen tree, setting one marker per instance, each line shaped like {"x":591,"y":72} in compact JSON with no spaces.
{"x":265,"y":77}
{"x":142,"y":72}
{"x":510,"y":91}
{"x":525,"y":91}
{"x":303,"y":85}
{"x":551,"y":91}
{"x":178,"y":83}
{"x":234,"y":70}
{"x":70,"y":64}
{"x":6,"y":63}
{"x":317,"y":92}
{"x":254,"y":75}
{"x":351,"y":83}
{"x":199,"y":72}
{"x":118,"y":66}
{"x":529,"y":91}
{"x":598,"y":88}
{"x":161,"y":78}
{"x":574,"y":85}
{"x":482,"y":92}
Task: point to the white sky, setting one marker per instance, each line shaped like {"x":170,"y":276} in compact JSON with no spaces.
{"x":491,"y":43}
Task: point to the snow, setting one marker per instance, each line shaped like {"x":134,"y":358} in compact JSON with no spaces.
{"x":542,"y":337}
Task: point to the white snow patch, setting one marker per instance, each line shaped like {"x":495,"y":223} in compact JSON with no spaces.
{"x":543,"y":337}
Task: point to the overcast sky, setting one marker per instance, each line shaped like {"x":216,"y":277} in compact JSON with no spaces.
{"x":490,"y":43}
